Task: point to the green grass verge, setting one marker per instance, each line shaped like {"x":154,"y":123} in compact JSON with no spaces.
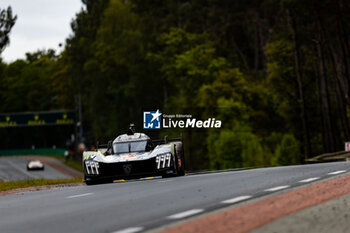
{"x":71,"y":162}
{"x":74,"y":164}
{"x":8,"y":185}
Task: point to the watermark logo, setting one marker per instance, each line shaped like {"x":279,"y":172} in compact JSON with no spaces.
{"x":157,"y":120}
{"x":152,"y":120}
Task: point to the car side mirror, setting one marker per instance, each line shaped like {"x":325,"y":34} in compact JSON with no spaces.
{"x":110,"y":147}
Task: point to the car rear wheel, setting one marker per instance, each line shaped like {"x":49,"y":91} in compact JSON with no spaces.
{"x":90,"y":181}
{"x":93,"y":181}
{"x":179,"y":159}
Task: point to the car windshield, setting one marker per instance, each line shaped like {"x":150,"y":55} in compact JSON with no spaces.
{"x":127,"y":147}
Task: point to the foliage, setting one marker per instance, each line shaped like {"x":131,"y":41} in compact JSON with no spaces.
{"x":274,"y":72}
{"x":287,"y":152}
{"x":7,"y":21}
{"x":32,"y":80}
{"x":236,"y":145}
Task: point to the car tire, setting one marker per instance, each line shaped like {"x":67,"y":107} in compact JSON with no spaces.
{"x":180,"y":159}
{"x":90,"y":181}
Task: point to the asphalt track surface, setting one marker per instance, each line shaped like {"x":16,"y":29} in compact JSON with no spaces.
{"x":15,"y":168}
{"x":137,"y":206}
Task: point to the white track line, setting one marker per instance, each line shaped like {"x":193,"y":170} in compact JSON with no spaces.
{"x":276,"y":188}
{"x":80,"y":195}
{"x":164,"y":181}
{"x":236,"y":199}
{"x":336,"y":172}
{"x":129,"y":230}
{"x":309,"y":180}
{"x":185,"y":214}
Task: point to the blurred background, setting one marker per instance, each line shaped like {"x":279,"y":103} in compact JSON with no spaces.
{"x":275,"y":72}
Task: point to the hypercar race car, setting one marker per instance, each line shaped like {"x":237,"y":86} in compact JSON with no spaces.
{"x":35,"y":165}
{"x":134,"y":155}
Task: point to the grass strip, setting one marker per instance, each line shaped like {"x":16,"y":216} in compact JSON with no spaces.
{"x":9,"y":185}
{"x":73,"y":163}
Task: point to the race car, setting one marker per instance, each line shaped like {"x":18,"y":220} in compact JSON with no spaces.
{"x":134,"y":155}
{"x":35,"y":165}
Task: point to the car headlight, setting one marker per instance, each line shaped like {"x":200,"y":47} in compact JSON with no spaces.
{"x":163,"y":161}
{"x":92,"y":167}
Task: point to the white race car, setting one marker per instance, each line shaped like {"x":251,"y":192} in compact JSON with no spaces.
{"x":35,"y":165}
{"x":134,"y":155}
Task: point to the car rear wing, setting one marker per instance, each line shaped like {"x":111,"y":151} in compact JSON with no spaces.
{"x":166,"y":140}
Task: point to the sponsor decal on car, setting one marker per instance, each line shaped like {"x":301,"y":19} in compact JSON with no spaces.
{"x":128,"y":156}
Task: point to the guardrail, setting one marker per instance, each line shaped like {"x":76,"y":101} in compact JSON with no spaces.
{"x":330,"y":157}
{"x":39,"y":151}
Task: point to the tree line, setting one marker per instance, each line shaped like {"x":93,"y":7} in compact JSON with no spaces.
{"x":276,"y":72}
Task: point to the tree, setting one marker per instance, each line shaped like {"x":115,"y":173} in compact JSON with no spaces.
{"x":287,"y":152}
{"x":7,"y":21}
{"x":31,"y":79}
{"x":118,"y":72}
{"x":235,"y":145}
{"x":299,"y":78}
{"x":106,"y":62}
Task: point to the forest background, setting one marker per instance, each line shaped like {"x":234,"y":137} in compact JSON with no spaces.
{"x":275,"y":72}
